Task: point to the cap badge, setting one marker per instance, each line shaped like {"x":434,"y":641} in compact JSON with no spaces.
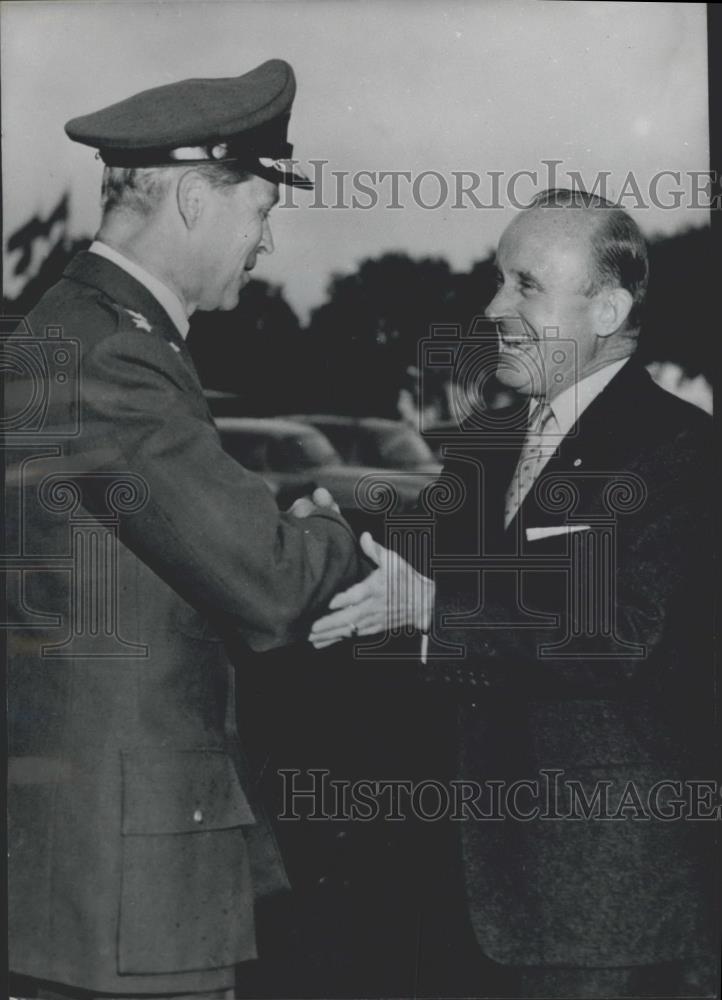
{"x":284,"y":166}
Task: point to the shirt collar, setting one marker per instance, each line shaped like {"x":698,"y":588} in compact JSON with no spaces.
{"x":569,"y":405}
{"x":162,"y":293}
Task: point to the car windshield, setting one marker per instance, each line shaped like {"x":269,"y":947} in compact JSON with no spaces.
{"x":302,"y":450}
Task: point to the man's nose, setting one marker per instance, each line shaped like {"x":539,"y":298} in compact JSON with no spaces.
{"x":266,"y":244}
{"x":500,"y":305}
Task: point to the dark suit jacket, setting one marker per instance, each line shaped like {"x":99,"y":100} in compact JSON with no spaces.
{"x":137,"y":545}
{"x":629,"y":701}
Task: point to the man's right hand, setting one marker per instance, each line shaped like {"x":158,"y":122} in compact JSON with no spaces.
{"x":391,"y":597}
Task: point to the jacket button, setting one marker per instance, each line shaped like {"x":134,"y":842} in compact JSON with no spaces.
{"x":198,"y":816}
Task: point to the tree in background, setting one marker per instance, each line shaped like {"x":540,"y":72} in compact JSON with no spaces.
{"x":676,"y":323}
{"x":365,"y":338}
{"x":255,"y":350}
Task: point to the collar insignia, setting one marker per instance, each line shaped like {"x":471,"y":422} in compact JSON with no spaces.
{"x":139,"y":320}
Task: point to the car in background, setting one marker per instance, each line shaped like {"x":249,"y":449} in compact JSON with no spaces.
{"x":294,"y":457}
{"x":375,"y":441}
{"x":439,"y":434}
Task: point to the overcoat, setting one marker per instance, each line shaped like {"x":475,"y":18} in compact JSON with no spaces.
{"x":136,"y":545}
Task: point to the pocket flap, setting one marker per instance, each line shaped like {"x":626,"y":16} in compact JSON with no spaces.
{"x":181,"y":791}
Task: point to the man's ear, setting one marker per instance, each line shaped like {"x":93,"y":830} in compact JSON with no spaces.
{"x":191,"y":196}
{"x":612,"y":307}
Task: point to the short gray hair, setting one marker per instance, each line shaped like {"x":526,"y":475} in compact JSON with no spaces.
{"x":619,"y":251}
{"x":141,"y":189}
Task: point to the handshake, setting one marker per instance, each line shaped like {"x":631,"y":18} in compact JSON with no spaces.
{"x":393,"y":596}
{"x":320,"y":499}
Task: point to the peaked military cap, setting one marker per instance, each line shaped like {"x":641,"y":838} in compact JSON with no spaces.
{"x":242,"y":120}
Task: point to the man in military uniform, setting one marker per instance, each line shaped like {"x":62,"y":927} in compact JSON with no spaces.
{"x":135,"y":851}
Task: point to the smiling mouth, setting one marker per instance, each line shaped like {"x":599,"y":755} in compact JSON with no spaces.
{"x":516,"y":346}
{"x":514,"y":331}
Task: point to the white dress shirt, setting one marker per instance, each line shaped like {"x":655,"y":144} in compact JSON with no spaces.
{"x":566,"y":409}
{"x":569,"y":405}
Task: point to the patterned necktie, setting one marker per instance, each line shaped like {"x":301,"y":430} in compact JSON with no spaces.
{"x":541,"y":441}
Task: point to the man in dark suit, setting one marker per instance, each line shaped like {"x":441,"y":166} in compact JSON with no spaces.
{"x":569,"y":601}
{"x":136,"y":545}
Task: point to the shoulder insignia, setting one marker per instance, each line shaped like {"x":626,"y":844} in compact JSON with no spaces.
{"x":139,"y":320}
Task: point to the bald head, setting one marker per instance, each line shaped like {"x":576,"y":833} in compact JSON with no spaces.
{"x":561,"y":243}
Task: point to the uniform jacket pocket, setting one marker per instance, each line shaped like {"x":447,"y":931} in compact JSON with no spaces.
{"x":186,"y":893}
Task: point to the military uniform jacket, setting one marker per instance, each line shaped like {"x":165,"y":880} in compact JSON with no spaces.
{"x":137,"y":544}
{"x":583,"y":664}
